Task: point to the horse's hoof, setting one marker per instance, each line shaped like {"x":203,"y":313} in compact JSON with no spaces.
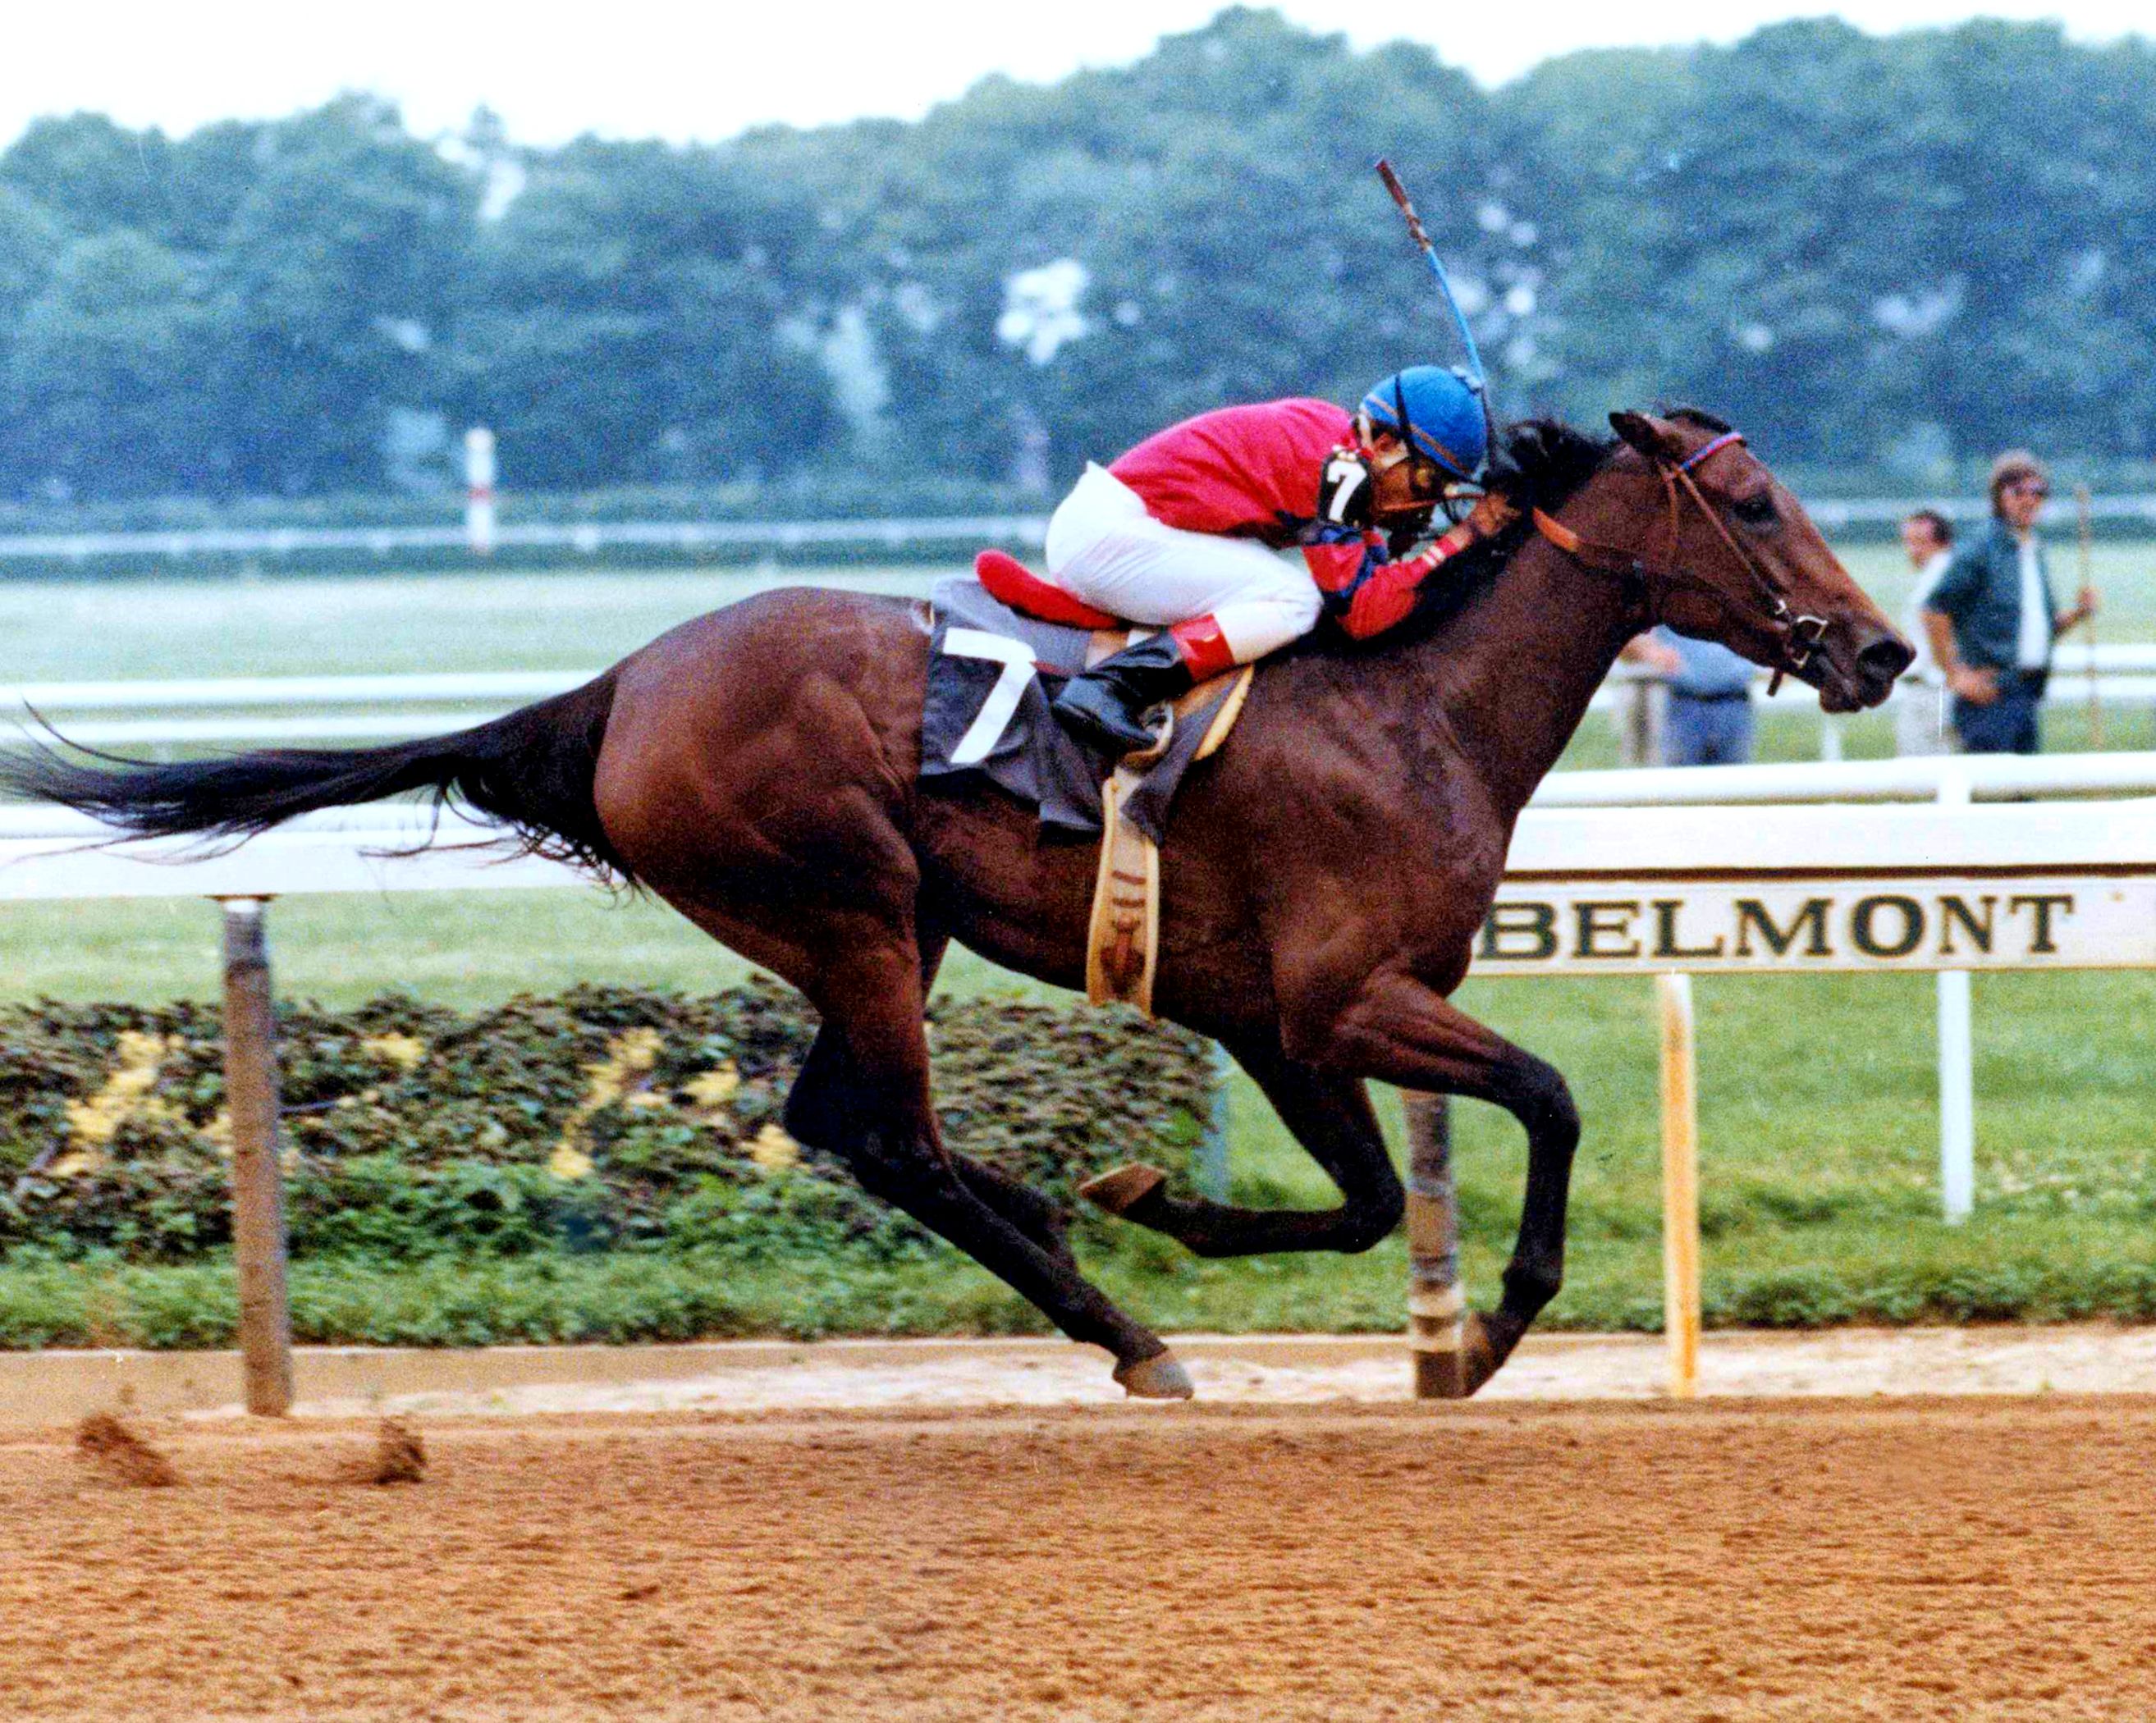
{"x":1120,"y":1189}
{"x":1479,"y":1358}
{"x":1160,"y":1378}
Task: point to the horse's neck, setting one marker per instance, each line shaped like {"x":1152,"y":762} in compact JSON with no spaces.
{"x":1514,"y":675}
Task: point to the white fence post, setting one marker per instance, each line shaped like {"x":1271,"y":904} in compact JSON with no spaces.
{"x":479,"y":491}
{"x":1957,"y":1099}
{"x":1957,"y":1061}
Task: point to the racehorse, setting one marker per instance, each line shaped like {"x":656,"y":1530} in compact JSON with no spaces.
{"x":1326,"y":877}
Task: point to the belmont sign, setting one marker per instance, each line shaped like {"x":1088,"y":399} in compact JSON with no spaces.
{"x":1921,"y":922}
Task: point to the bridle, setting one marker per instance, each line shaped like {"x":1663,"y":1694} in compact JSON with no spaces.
{"x":1799,"y":636}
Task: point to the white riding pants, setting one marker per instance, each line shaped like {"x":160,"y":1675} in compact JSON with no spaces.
{"x":1104,"y":548}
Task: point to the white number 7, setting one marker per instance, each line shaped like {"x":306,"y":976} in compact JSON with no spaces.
{"x":1016,"y":658}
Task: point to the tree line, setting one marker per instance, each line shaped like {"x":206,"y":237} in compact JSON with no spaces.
{"x":1884,"y":254}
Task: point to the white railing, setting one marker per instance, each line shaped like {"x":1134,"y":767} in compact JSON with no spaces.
{"x":277,"y":709}
{"x":2125,"y":674}
{"x":590,"y":537}
{"x":584,"y":537}
{"x":48,"y":853}
{"x":274,"y":709}
{"x":1832,"y":514}
{"x":1986,"y":778}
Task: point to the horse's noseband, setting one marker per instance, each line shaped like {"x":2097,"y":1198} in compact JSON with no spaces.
{"x":1801,"y":638}
{"x":1799,"y":635}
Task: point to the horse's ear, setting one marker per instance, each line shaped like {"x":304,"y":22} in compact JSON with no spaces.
{"x":1649,"y":436}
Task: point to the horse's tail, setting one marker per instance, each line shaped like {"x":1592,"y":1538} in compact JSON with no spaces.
{"x":531,"y":770}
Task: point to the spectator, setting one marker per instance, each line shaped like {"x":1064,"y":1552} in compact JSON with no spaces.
{"x":1990,"y":620}
{"x":1920,"y":712}
{"x":1708,"y":719}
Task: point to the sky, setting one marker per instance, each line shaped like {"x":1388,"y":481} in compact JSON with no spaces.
{"x":709,"y":68}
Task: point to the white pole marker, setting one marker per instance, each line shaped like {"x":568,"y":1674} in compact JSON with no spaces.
{"x":479,"y":491}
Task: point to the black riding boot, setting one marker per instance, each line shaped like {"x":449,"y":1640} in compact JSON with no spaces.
{"x":1103,"y":706}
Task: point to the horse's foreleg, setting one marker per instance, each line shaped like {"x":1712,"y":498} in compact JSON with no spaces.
{"x":1401,"y":1032}
{"x":885,"y":1126}
{"x":1329,"y":1113}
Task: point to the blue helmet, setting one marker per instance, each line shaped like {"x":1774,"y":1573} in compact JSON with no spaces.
{"x":1441,"y":414}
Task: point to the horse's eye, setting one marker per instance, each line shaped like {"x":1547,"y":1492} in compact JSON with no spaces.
{"x":1755,"y":511}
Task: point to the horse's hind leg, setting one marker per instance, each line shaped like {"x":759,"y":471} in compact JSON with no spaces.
{"x":1329,"y":1113}
{"x":869,"y":994}
{"x":824,"y":1109}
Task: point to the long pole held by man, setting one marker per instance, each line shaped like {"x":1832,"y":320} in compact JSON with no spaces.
{"x":2084,"y":509}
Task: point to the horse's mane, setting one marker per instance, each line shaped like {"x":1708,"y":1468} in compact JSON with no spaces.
{"x":1537,"y":463}
{"x":1540,"y":462}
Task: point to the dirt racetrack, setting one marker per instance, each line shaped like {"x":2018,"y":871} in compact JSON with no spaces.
{"x":1965,"y":1559}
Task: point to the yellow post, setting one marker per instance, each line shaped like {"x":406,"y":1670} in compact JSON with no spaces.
{"x":258,"y":1194}
{"x":1680,"y":1316}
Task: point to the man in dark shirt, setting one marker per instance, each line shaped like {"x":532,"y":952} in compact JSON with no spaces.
{"x":1991,"y":621}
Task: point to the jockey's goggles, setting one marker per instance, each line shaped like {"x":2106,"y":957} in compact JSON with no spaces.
{"x":1430,"y":483}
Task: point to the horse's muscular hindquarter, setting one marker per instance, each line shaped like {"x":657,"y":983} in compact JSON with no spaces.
{"x":759,"y":774}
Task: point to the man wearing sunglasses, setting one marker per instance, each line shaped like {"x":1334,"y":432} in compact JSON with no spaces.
{"x":1991,"y":620}
{"x":1184,"y":533}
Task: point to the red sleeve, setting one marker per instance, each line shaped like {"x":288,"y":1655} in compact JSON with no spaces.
{"x":1336,"y":568}
{"x":1367,"y":595}
{"x":1384,"y":597}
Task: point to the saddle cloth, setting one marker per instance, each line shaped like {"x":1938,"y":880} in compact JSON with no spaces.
{"x":987,"y":710}
{"x":992,"y":671}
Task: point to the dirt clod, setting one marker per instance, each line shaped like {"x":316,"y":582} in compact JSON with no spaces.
{"x":400,"y":1457}
{"x":122,"y":1454}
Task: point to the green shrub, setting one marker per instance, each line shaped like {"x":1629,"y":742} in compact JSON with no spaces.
{"x":603,"y":1119}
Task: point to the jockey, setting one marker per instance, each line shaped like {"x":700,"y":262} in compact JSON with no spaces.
{"x":1183,"y":532}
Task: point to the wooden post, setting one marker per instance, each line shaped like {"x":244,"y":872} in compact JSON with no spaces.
{"x":1680,"y":1186}
{"x":257,"y":1196}
{"x":1638,"y":713}
{"x":1435,"y":1306}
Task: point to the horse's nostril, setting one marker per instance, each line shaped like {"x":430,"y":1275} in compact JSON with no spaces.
{"x":1884,"y":658}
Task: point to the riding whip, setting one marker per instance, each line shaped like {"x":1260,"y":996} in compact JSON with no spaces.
{"x":1475,"y":378}
{"x":2085,"y":511}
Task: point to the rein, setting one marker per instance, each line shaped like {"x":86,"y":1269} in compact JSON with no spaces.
{"x":1798,"y":637}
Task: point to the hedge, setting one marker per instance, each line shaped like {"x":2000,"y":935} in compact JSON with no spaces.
{"x":604,"y":1118}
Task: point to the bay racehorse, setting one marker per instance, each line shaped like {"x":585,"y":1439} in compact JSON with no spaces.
{"x":1325,"y":880}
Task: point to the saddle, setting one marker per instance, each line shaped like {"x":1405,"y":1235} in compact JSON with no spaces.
{"x":1123,"y":935}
